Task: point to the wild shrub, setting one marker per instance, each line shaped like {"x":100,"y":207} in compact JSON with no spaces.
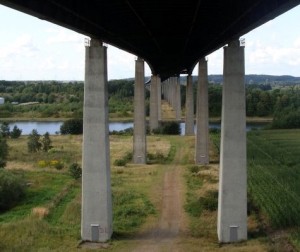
{"x":124,"y":160}
{"x":3,"y":151}
{"x":72,"y":126}
{"x":46,"y":142}
{"x":168,"y":128}
{"x":75,"y":171}
{"x":12,"y":189}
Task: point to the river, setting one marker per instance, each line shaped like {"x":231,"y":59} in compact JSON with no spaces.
{"x":54,"y":127}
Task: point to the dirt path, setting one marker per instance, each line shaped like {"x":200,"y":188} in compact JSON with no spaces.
{"x":165,"y":233}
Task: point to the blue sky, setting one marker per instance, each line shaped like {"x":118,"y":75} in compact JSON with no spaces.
{"x":33,"y":49}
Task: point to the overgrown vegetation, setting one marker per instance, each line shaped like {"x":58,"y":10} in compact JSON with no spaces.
{"x":3,"y":151}
{"x":168,"y":128}
{"x":12,"y":189}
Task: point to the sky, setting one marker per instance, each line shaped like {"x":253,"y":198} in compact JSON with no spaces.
{"x":33,"y":49}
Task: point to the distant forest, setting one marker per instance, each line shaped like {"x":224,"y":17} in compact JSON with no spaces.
{"x":266,"y":96}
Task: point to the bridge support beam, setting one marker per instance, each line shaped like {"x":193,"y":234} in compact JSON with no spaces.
{"x":232,"y":210}
{"x":154,"y":102}
{"x":96,"y":222}
{"x":189,"y":107}
{"x":202,"y":133}
{"x":139,"y":131}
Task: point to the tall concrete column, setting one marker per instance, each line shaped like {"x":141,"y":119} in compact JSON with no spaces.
{"x":154,"y":102}
{"x":159,"y":91}
{"x":96,"y":222}
{"x":189,"y":107}
{"x":202,"y":133}
{"x":177,"y":99}
{"x":232,"y":210}
{"x":139,"y":131}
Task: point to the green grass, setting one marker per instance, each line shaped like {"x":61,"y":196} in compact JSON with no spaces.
{"x":274,"y":175}
{"x":43,"y":187}
{"x":60,"y":195}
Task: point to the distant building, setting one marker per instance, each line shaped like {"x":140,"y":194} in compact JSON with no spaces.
{"x":1,"y":100}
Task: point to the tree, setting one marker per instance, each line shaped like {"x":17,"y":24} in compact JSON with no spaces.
{"x":34,"y":144}
{"x":4,"y":129}
{"x":46,"y":142}
{"x":3,"y":151}
{"x":16,"y":132}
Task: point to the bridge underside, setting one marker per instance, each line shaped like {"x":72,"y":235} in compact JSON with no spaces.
{"x":170,"y":35}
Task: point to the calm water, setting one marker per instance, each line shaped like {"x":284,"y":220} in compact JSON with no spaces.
{"x":54,"y":127}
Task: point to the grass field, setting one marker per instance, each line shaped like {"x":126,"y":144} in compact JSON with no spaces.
{"x":273,"y":177}
{"x":48,"y":219}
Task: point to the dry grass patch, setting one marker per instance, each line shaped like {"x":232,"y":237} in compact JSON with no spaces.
{"x":40,"y":212}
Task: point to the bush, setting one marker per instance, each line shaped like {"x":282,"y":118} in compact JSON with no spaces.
{"x":46,"y":142}
{"x":75,"y":171}
{"x":4,"y":129}
{"x":12,"y":189}
{"x":3,"y":151}
{"x":168,"y":128}
{"x":72,"y":126}
{"x":123,"y":161}
{"x":16,"y":132}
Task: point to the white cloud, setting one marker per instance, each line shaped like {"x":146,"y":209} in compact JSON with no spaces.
{"x":23,"y":46}
{"x":61,"y":35}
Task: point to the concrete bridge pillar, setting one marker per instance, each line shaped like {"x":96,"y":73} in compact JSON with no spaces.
{"x":189,"y":107}
{"x":177,"y":99}
{"x":159,"y":91}
{"x":154,"y":102}
{"x":232,"y":209}
{"x":96,"y":222}
{"x":139,"y":131}
{"x":202,"y":133}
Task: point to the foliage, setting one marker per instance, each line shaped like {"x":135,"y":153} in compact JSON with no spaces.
{"x":75,"y":171}
{"x":3,"y":151}
{"x":16,"y":132}
{"x":125,"y":132}
{"x":33,"y":143}
{"x":123,"y":161}
{"x":46,"y":142}
{"x":12,"y":189}
{"x":130,"y":209}
{"x":168,"y":128}
{"x":288,"y":118}
{"x":72,"y":126}
{"x":4,"y":129}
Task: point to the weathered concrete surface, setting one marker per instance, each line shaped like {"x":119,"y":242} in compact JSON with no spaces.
{"x":232,"y":210}
{"x":139,"y":131}
{"x":202,"y":132}
{"x":189,"y":107}
{"x":154,"y":102}
{"x":96,"y":188}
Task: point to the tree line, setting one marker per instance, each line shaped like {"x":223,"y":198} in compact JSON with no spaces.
{"x":61,"y":99}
